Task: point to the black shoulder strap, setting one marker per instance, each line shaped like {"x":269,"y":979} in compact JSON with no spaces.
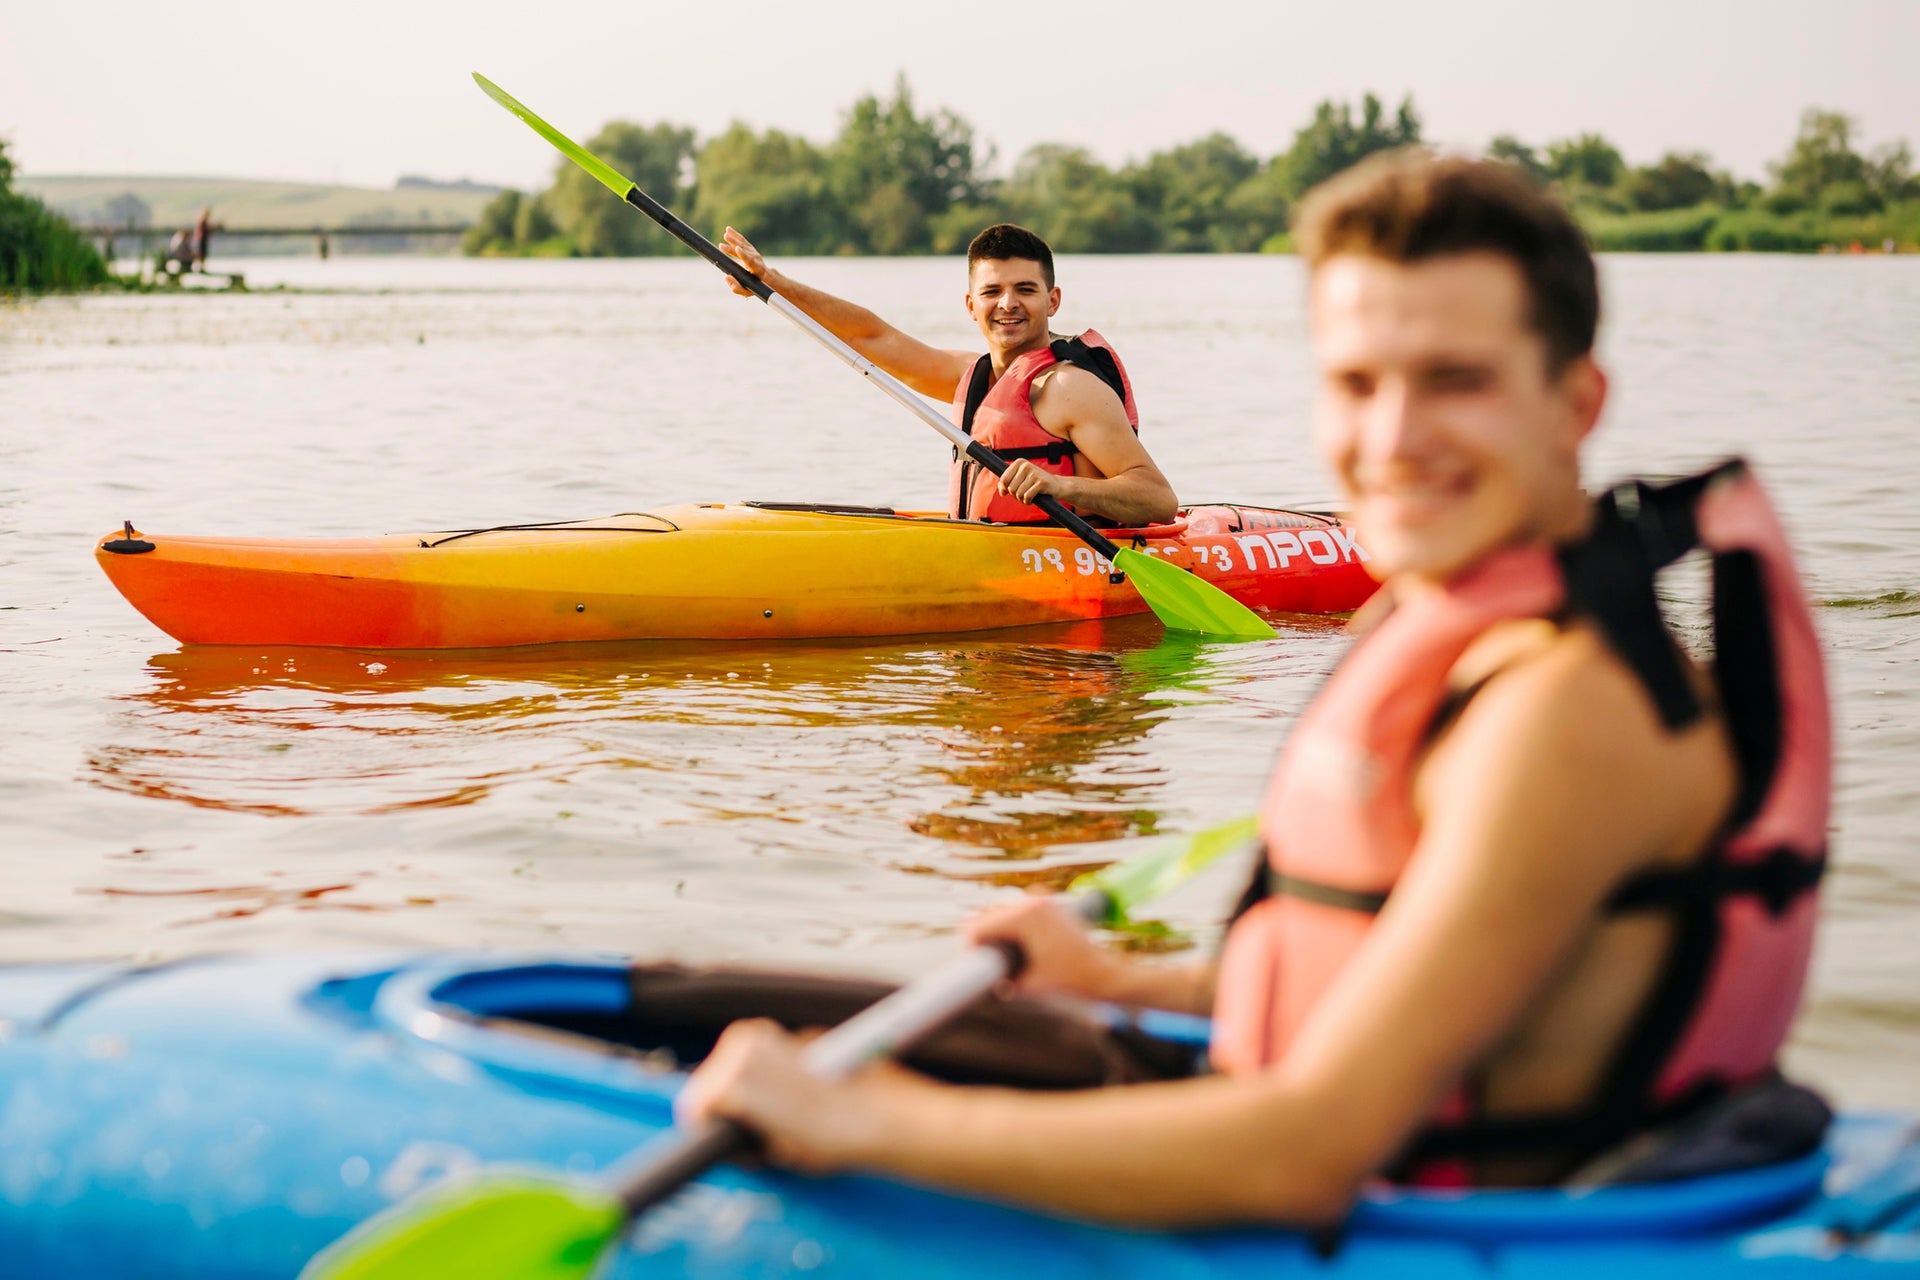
{"x":1610,"y":579}
{"x":1777,"y":881}
{"x":1095,"y":360}
{"x":979,"y":382}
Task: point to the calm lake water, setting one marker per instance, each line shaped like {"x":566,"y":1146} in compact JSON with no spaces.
{"x":834,"y":805}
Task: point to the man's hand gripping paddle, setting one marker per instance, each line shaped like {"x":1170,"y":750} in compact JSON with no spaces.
{"x":1184,"y":601}
{"x":523,"y":1227}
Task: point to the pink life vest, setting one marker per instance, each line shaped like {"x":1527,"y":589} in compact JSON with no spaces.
{"x":1340,"y":825}
{"x":1000,"y":416}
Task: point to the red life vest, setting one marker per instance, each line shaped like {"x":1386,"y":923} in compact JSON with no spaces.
{"x":1340,"y":825}
{"x":1000,"y":416}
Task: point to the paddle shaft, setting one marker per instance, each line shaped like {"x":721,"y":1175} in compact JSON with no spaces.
{"x":895,"y":389}
{"x":878,"y":1031}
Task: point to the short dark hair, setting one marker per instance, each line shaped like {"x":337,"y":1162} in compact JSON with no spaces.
{"x":1004,"y":240}
{"x":1410,"y":206}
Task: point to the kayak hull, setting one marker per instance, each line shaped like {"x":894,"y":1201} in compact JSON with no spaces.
{"x":719,"y":571}
{"x":228,"y":1118}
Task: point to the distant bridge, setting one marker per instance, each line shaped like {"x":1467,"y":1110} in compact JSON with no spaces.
{"x":322,"y":236}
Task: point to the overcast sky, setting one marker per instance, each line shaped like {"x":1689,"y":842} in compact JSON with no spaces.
{"x":363,"y":92}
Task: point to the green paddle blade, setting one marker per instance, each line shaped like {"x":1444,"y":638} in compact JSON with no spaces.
{"x":615,"y":181}
{"x":1188,"y":602}
{"x":1128,"y":884}
{"x":494,"y":1228}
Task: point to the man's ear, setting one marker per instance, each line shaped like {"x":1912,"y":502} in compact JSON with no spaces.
{"x":1585,"y":384}
{"x":1053,"y":300}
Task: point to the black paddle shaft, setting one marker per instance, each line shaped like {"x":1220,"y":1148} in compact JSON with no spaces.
{"x":685,"y":1158}
{"x":1055,"y":509}
{"x":676,"y":226}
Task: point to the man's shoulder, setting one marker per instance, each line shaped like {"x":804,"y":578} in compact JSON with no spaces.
{"x":1565,"y":698}
{"x":1070,"y":392}
{"x":1568,"y":677}
{"x":1565,"y":740}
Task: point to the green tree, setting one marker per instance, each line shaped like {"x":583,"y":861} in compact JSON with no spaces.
{"x":38,"y":248}
{"x":1078,"y":204}
{"x":1890,"y":173}
{"x":1258,"y":208}
{"x":492,"y":231}
{"x":1680,"y":181}
{"x":1586,"y":161}
{"x":895,"y":171}
{"x":953,"y":230}
{"x":1517,"y":153}
{"x":532,"y":224}
{"x":771,"y":186}
{"x":1332,"y":141}
{"x":1822,"y":156}
{"x":1189,"y":189}
{"x":656,"y":158}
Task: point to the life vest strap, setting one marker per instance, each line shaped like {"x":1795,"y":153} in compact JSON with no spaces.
{"x":1058,"y":451}
{"x":1095,"y":360}
{"x":1778,"y":880}
{"x":1281,"y":885}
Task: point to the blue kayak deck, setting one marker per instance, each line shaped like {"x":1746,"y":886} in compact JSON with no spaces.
{"x":230,"y":1117}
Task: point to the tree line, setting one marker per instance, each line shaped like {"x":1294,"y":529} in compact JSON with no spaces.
{"x":1824,"y":193}
{"x":899,"y":180}
{"x":896,"y":180}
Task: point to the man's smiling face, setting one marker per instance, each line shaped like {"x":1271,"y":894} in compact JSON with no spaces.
{"x":1440,"y":411}
{"x":1011,"y":301}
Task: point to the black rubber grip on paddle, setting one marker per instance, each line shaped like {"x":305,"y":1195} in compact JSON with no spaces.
{"x":1091,"y":905}
{"x":1047,"y":503}
{"x":686,"y":235}
{"x":687,"y":1157}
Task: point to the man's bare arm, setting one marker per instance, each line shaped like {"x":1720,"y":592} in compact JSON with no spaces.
{"x":932,"y":371}
{"x":1077,"y":405}
{"x":1510,"y":874}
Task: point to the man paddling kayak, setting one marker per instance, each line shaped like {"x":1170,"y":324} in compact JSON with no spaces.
{"x":1537,"y":895}
{"x":1060,"y":410}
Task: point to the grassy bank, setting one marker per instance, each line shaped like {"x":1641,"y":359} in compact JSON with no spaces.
{"x":1710,"y":228}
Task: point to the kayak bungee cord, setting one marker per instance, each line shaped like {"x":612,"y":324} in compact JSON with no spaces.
{"x":556,"y":526}
{"x":1183,"y":601}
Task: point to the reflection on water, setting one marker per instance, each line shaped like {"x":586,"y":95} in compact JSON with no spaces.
{"x":929,"y":756}
{"x":1040,"y":737}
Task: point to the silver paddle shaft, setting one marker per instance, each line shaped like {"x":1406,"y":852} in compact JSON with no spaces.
{"x":907,"y":1014}
{"x":892,"y":1024}
{"x":900,"y":1019}
{"x":899,"y":391}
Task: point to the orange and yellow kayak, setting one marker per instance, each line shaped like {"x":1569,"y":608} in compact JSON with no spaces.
{"x":715,"y":571}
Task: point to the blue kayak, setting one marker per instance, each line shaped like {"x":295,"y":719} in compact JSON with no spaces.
{"x":230,"y":1117}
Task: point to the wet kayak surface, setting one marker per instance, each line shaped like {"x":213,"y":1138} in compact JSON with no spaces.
{"x":819,"y":804}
